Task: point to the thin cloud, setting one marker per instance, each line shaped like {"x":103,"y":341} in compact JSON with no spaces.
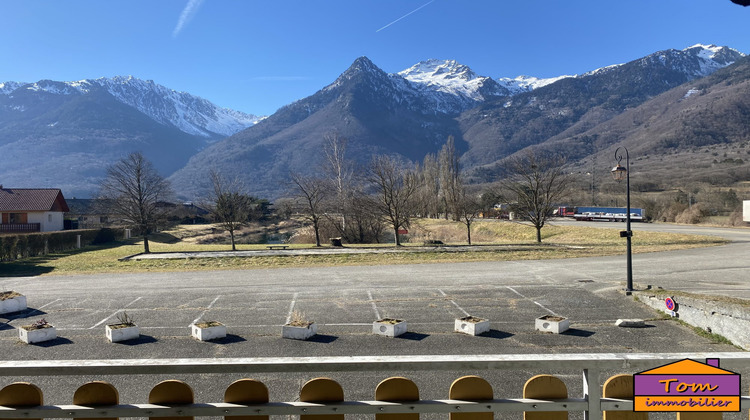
{"x":413,"y":11}
{"x":186,"y":16}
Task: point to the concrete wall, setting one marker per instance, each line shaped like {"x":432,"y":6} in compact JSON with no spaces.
{"x":730,"y":320}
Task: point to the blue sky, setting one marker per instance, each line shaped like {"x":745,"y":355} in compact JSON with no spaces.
{"x":256,"y":56}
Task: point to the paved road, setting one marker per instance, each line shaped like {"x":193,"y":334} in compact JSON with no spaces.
{"x":714,"y":271}
{"x":722,"y":270}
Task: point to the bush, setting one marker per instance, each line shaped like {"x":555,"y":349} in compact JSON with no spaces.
{"x":13,"y":247}
{"x":692,"y":215}
{"x":103,"y":236}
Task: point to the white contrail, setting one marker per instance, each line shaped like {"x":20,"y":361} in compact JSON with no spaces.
{"x":413,"y":11}
{"x":187,"y":14}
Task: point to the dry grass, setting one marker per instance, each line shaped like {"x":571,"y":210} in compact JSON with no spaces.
{"x":518,"y":242}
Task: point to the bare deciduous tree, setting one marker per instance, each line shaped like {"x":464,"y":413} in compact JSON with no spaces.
{"x":428,"y":196}
{"x":229,"y":205}
{"x":133,"y":189}
{"x":311,"y":191}
{"x":468,"y":207}
{"x":450,"y":177}
{"x":338,"y":168}
{"x":339,"y":173}
{"x":395,"y":191}
{"x":538,"y":183}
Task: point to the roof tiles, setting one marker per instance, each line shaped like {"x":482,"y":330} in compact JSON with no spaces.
{"x":32,"y":199}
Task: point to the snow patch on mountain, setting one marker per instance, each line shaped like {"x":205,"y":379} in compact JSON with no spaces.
{"x":7,"y":88}
{"x":449,"y":76}
{"x":524,"y":83}
{"x":188,"y":113}
{"x":696,"y":61}
{"x":691,"y":92}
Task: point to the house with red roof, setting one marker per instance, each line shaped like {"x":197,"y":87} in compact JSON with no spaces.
{"x":25,"y":210}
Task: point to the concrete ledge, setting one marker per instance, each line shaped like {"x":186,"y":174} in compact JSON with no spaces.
{"x":727,"y":317}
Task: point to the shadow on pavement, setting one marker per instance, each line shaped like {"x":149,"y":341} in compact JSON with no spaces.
{"x":413,"y":336}
{"x":323,"y":338}
{"x":26,"y":313}
{"x":143,"y":339}
{"x":496,"y":334}
{"x":52,"y":343}
{"x":578,"y":333}
{"x":229,"y":339}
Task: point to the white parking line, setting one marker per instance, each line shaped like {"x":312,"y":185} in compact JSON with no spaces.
{"x":291,"y":308}
{"x":374,"y":307}
{"x":454,"y":303}
{"x":210,"y":305}
{"x":115,"y":313}
{"x":39,"y":309}
{"x":535,"y":302}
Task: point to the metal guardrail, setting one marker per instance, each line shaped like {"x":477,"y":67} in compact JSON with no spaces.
{"x":591,"y":365}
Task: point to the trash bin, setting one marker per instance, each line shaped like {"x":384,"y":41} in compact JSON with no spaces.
{"x":336,"y":242}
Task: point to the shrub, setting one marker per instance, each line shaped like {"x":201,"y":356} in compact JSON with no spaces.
{"x":13,"y":247}
{"x":103,"y":236}
{"x":692,"y":215}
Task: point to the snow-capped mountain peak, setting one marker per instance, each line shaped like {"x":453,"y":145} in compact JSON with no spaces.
{"x":190,"y":114}
{"x":7,"y":87}
{"x":451,"y":77}
{"x":432,"y":69}
{"x":707,"y":52}
{"x":696,"y":61}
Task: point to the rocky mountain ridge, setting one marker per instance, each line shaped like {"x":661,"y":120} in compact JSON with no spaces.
{"x":412,"y":113}
{"x":188,"y":113}
{"x":79,"y":128}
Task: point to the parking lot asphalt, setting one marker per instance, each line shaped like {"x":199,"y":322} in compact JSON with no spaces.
{"x":254,"y":305}
{"x":344,"y":301}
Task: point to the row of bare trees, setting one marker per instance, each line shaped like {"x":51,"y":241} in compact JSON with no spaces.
{"x":135,"y":192}
{"x":360,"y":205}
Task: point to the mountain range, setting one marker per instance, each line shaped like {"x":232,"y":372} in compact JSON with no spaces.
{"x":78,"y":128}
{"x":412,"y":113}
{"x":50,"y":128}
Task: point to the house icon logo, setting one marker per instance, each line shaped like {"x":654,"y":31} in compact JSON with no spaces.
{"x":687,"y":385}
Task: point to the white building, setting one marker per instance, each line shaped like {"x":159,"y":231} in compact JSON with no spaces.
{"x":31,"y":210}
{"x":746,"y":210}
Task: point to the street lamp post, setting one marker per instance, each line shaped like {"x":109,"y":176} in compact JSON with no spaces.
{"x":620,"y":173}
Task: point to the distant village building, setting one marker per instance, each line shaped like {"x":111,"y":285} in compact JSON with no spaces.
{"x":746,"y":210}
{"x":31,"y":210}
{"x":88,"y":213}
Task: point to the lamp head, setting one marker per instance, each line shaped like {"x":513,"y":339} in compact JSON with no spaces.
{"x":619,"y":172}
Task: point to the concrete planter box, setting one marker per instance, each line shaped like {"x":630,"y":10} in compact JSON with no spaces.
{"x":299,"y":332}
{"x":12,"y":302}
{"x":30,"y":335}
{"x":118,"y":332}
{"x":472,"y":325}
{"x":205,"y":331}
{"x":552,"y":324}
{"x":389,"y":327}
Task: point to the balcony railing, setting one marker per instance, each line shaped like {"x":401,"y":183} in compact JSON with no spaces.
{"x":20,"y":227}
{"x":470,"y":396}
